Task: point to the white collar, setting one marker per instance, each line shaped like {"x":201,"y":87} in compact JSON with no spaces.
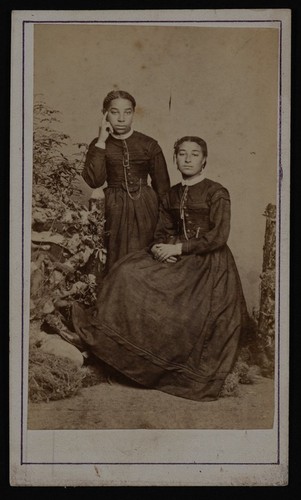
{"x":122,"y":136}
{"x":194,"y":180}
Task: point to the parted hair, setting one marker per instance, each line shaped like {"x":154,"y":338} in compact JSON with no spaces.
{"x":191,"y":138}
{"x":116,"y":94}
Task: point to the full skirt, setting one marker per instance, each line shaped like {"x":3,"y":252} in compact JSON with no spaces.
{"x":174,"y":327}
{"x":130,"y":223}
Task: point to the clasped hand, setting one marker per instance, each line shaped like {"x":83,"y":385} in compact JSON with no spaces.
{"x":164,"y":252}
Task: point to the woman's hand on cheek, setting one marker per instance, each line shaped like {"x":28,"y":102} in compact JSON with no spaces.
{"x":105,"y":129}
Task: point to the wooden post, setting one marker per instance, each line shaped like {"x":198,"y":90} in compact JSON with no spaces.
{"x":266,"y":319}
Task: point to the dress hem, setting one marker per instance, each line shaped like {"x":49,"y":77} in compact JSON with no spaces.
{"x":154,"y":372}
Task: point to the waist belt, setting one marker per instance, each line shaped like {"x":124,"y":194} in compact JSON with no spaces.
{"x":132,"y":187}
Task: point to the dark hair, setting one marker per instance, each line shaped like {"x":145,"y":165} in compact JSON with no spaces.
{"x":191,"y":138}
{"x":115,"y":94}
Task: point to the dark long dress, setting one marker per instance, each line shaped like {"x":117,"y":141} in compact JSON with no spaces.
{"x":174,"y":326}
{"x":130,"y":219}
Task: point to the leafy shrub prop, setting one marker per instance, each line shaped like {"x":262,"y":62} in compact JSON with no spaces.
{"x":67,"y":252}
{"x":67,"y":238}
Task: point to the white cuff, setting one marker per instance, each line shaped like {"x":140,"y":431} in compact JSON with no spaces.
{"x":101,"y":145}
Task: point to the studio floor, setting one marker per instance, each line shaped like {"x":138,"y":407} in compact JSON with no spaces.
{"x":121,"y":406}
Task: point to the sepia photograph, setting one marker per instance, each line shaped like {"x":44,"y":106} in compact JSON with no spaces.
{"x":151,"y":247}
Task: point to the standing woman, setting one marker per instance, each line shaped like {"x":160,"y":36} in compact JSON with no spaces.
{"x":124,"y":159}
{"x":171,"y":318}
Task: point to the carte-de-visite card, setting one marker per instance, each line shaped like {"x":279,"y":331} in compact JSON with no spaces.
{"x":149,"y":275}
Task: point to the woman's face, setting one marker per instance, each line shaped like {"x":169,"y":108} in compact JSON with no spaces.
{"x":190,"y":159}
{"x":120,"y":115}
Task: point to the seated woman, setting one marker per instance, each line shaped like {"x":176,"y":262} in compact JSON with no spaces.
{"x":170,"y":317}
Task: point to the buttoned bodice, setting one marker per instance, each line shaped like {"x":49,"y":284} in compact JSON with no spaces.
{"x":198,"y":216}
{"x":189,"y":207}
{"x":127,"y":161}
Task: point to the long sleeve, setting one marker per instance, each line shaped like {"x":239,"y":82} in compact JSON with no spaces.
{"x":220,"y":212}
{"x":158,"y":171}
{"x":94,"y":172}
{"x":166,"y":228}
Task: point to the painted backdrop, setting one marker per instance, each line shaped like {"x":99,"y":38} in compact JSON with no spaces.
{"x":218,"y":83}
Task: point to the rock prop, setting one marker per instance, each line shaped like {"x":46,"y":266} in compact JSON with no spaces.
{"x":54,"y":344}
{"x":56,"y":367}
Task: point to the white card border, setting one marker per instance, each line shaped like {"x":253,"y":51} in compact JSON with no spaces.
{"x":30,"y":450}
